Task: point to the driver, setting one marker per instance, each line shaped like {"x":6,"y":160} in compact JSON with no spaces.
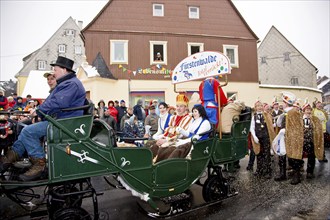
{"x":68,"y":93}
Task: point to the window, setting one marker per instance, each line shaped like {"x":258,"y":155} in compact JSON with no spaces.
{"x":41,"y":64}
{"x":287,"y":57}
{"x":69,"y":32}
{"x":158,"y":10}
{"x":77,"y":49}
{"x":294,"y":81}
{"x":195,"y":48}
{"x":158,"y":52}
{"x":61,"y":48}
{"x":263,"y":60}
{"x":118,"y":51}
{"x":193,"y":12}
{"x":231,"y":51}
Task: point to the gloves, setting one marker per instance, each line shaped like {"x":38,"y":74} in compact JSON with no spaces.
{"x":256,"y":140}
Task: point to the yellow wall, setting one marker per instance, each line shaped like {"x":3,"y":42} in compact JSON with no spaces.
{"x":21,"y":81}
{"x":248,"y":92}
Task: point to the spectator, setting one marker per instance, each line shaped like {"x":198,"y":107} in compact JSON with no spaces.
{"x":122,"y":110}
{"x":125,"y":117}
{"x":3,"y":101}
{"x":51,"y":80}
{"x":155,"y":103}
{"x":112,"y":111}
{"x":68,"y":93}
{"x":138,"y":110}
{"x":11,"y":102}
{"x":19,"y":105}
{"x":131,"y":129}
{"x":101,"y":109}
{"x":152,"y":121}
{"x":28,"y":98}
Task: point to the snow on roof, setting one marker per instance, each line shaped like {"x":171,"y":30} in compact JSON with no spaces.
{"x":91,"y":71}
{"x":36,"y":85}
{"x":289,"y":87}
{"x":323,"y":83}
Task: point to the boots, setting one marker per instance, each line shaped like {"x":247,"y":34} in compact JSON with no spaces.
{"x":36,"y":171}
{"x":310,"y":176}
{"x":296,"y":178}
{"x":282,"y":175}
{"x":7,"y":160}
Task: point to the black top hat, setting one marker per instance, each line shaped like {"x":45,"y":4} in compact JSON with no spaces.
{"x":64,"y":62}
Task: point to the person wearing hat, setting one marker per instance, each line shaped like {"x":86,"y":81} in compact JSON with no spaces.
{"x":152,"y":121}
{"x":51,"y":80}
{"x":68,"y":93}
{"x":262,"y":135}
{"x":319,"y":112}
{"x":276,"y":112}
{"x":166,"y":144}
{"x":294,"y":138}
{"x":313,"y":139}
{"x":19,"y":104}
{"x":101,"y":109}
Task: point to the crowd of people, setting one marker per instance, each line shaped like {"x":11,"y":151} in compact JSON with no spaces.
{"x":168,"y":130}
{"x":293,"y":131}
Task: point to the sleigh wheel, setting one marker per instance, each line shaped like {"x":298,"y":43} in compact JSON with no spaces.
{"x":215,"y":189}
{"x":71,"y":214}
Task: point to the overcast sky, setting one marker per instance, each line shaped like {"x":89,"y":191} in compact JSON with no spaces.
{"x":26,"y":25}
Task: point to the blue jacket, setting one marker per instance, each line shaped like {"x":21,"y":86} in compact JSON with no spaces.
{"x":68,"y":93}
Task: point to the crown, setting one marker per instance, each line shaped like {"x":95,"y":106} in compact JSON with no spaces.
{"x":181,"y":99}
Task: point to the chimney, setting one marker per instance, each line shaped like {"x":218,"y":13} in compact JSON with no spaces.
{"x":80,"y":24}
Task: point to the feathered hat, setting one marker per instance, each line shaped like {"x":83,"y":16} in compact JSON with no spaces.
{"x":275,"y":101}
{"x":288,"y":98}
{"x":306,"y":105}
{"x":257,"y":101}
{"x":182,"y":99}
{"x":297,"y":103}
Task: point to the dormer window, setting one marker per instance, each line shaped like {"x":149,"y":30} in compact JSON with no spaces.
{"x":158,"y":10}
{"x":193,"y":12}
{"x":286,"y":56}
{"x":69,"y":32}
{"x":263,"y":60}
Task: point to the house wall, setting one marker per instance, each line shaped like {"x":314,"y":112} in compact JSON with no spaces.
{"x":277,"y":71}
{"x":177,"y":49}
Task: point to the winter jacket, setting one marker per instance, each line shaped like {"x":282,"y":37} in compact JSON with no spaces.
{"x":3,"y":102}
{"x":68,"y":93}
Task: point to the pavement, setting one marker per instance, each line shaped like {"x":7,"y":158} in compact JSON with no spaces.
{"x":258,"y":198}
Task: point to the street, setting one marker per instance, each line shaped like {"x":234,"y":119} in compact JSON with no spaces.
{"x":258,"y":198}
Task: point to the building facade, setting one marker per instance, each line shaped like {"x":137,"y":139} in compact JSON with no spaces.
{"x":142,"y":42}
{"x":67,"y":41}
{"x":280,"y":63}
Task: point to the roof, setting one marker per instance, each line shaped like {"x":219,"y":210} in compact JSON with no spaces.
{"x":323,"y":83}
{"x":289,"y":87}
{"x":102,"y":67}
